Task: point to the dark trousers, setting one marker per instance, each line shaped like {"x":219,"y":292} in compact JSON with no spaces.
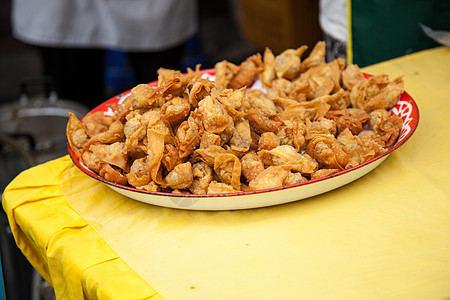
{"x":79,"y":74}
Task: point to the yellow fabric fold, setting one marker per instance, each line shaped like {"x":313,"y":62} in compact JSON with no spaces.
{"x":61,"y":245}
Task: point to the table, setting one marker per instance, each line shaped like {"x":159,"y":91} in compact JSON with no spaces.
{"x":384,"y":236}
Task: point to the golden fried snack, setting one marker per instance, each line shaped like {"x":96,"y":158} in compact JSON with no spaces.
{"x":268,"y":141}
{"x":312,"y":110}
{"x":293,"y":134}
{"x":261,"y":123}
{"x":323,"y":172}
{"x":220,"y":188}
{"x":225,"y":71}
{"x":376,"y":92}
{"x":316,"y":57}
{"x":91,"y":161}
{"x":360,"y":150}
{"x":189,"y":134}
{"x":326,"y":150}
{"x":112,"y":174}
{"x":175,"y":110}
{"x":113,"y":154}
{"x":294,"y":178}
{"x":242,"y":138}
{"x":286,"y":155}
{"x":247,"y":73}
{"x":139,"y":174}
{"x":321,"y":126}
{"x":227,"y":166}
{"x":353,"y":119}
{"x":287,"y":64}
{"x":268,"y":75}
{"x":76,"y":134}
{"x":202,"y":177}
{"x":386,"y":125}
{"x":271,"y":177}
{"x":351,"y":76}
{"x":251,"y":165}
{"x":96,"y":123}
{"x":180,"y":177}
{"x":213,"y":115}
{"x":114,"y":134}
{"x":199,"y":89}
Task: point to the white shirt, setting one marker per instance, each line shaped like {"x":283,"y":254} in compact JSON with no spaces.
{"x":135,"y":25}
{"x":333,"y":18}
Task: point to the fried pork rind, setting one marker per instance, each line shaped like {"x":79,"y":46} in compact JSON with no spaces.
{"x":323,"y":172}
{"x":316,"y":57}
{"x":286,"y":155}
{"x":96,"y":123}
{"x":376,"y":92}
{"x":353,"y":119}
{"x":241,"y":139}
{"x":112,"y":174}
{"x":251,"y":165}
{"x":180,"y":177}
{"x":312,"y":110}
{"x":76,"y":134}
{"x":321,"y":126}
{"x":114,"y":134}
{"x":189,"y":134}
{"x":220,"y":188}
{"x":192,"y":135}
{"x":225,"y":71}
{"x":143,"y":96}
{"x":202,"y":177}
{"x":386,"y":125}
{"x":268,"y":75}
{"x":175,"y":110}
{"x":113,"y":154}
{"x":268,"y":141}
{"x":272,"y":177}
{"x":326,"y":150}
{"x":351,"y":76}
{"x":199,"y":89}
{"x":139,"y":175}
{"x":261,"y":122}
{"x":227,"y":166}
{"x":287,"y":64}
{"x":359,"y":150}
{"x":247,"y":73}
{"x":214,"y":115}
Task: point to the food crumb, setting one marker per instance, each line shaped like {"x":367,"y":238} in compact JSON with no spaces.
{"x":192,"y":287}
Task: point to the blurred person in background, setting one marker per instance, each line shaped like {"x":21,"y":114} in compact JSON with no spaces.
{"x":371,"y":31}
{"x":73,"y":36}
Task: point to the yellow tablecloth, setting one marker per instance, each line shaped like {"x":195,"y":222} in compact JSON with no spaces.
{"x":384,"y":236}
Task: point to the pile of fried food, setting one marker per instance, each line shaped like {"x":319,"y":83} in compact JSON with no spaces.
{"x":191,"y":135}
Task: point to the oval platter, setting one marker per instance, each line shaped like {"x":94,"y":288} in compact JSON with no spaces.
{"x":405,"y":108}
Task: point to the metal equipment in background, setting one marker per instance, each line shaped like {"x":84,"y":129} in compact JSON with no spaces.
{"x":32,"y":131}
